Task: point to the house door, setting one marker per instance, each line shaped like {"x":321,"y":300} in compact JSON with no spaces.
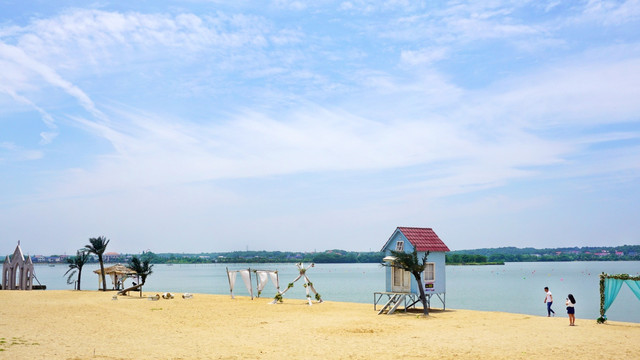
{"x":400,"y":280}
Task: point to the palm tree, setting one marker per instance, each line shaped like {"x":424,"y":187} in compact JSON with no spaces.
{"x":75,"y":264}
{"x":410,"y":262}
{"x":142,"y":268}
{"x":98,"y":246}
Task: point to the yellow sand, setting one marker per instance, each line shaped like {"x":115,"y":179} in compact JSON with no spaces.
{"x":90,"y":325}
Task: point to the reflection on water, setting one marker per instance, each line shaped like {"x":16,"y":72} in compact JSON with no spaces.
{"x":514,"y":287}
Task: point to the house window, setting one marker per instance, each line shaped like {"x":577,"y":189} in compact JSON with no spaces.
{"x":400,"y":246}
{"x":430,"y":272}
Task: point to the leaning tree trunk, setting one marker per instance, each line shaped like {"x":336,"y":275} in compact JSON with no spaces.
{"x":79,"y":277}
{"x":423,"y":298}
{"x":104,"y":279}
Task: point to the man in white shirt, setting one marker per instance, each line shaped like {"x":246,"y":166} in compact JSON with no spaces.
{"x":549,"y":300}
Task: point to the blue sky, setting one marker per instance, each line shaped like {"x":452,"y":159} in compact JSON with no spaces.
{"x":194,"y":126}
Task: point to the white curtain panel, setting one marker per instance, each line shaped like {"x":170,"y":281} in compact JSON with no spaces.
{"x":246,"y":276}
{"x":274,"y":278}
{"x":232,"y":279}
{"x":263,"y":278}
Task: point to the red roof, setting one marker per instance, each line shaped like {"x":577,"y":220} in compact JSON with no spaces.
{"x":423,"y":239}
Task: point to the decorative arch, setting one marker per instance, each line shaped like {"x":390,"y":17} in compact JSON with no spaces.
{"x":17,"y":274}
{"x":610,"y":287}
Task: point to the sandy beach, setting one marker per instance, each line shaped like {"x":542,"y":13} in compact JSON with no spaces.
{"x":90,"y":325}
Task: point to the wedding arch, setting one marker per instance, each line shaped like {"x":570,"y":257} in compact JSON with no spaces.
{"x":308,"y":285}
{"x":610,"y":287}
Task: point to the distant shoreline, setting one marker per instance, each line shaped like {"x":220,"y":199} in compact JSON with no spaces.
{"x":487,"y":256}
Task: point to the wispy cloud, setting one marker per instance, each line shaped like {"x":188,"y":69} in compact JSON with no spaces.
{"x":95,"y":36}
{"x":607,"y":12}
{"x":423,"y":56}
{"x":296,"y":112}
{"x":13,"y":152}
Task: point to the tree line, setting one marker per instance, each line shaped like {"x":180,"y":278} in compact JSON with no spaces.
{"x":329,"y":256}
{"x":473,"y":256}
{"x":587,"y":253}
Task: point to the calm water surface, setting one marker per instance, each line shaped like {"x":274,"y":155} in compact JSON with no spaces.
{"x":514,"y":287}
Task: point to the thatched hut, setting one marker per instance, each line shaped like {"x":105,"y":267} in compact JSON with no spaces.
{"x":118,"y":274}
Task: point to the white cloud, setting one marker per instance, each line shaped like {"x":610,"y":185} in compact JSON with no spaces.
{"x":152,"y":150}
{"x":46,"y":137}
{"x":79,"y":36}
{"x":291,"y":4}
{"x":13,"y":152}
{"x":584,"y":94}
{"x":463,"y":24}
{"x":609,"y":12}
{"x":369,"y":6}
{"x":423,"y":56}
{"x":30,"y":67}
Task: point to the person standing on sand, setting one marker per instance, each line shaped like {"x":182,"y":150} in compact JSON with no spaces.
{"x":571,"y":302}
{"x":549,"y":300}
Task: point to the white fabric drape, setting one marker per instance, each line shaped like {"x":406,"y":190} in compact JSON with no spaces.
{"x":274,"y":278}
{"x":263,"y":279}
{"x":246,"y":276}
{"x":232,"y":280}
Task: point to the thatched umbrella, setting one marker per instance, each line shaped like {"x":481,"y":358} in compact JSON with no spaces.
{"x":117,"y":272}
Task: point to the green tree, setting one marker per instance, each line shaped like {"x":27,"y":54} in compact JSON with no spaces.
{"x":142,"y":268}
{"x":410,"y":262}
{"x":75,"y":265}
{"x":97,"y":246}
{"x":454,"y":259}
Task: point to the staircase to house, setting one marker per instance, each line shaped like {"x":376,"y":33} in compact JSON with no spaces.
{"x":392,"y":305}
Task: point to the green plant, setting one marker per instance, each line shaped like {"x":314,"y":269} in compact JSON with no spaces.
{"x":98,"y":246}
{"x":75,"y":265}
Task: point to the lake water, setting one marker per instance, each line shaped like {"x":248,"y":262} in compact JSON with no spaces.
{"x":514,"y":287}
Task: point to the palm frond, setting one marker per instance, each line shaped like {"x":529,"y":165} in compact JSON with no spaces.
{"x":142,"y":268}
{"x":70,"y":277}
{"x":97,"y":245}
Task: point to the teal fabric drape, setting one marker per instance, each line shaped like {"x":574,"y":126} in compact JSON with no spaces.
{"x":611,"y":290}
{"x":634,"y":286}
